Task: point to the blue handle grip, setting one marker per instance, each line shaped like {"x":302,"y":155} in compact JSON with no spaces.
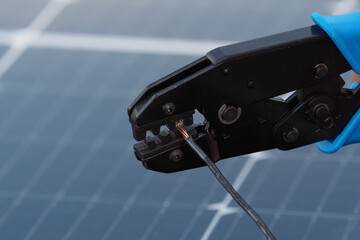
{"x":350,"y":134}
{"x":344,"y":30}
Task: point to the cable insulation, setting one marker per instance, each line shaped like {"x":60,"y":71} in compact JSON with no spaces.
{"x":226,"y":184}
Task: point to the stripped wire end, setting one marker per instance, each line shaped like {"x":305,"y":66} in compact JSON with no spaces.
{"x":180,"y":127}
{"x":224,"y":182}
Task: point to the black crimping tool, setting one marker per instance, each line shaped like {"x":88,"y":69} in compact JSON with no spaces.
{"x":236,"y":89}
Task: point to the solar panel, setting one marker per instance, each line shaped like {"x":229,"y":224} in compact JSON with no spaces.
{"x":18,"y":14}
{"x":67,"y":170}
{"x":2,"y":50}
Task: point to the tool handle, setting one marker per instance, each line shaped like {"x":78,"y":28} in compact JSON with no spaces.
{"x":344,"y":30}
{"x":350,"y":134}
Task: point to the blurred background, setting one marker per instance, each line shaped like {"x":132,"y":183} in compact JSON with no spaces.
{"x":68,"y":71}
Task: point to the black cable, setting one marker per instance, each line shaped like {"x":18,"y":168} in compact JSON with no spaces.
{"x":234,"y":194}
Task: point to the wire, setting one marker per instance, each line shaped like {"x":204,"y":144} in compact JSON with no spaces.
{"x":226,"y":184}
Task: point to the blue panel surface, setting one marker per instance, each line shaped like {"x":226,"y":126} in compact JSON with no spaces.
{"x":19,"y":13}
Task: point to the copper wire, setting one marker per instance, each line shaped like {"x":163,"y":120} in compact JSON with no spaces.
{"x":182,"y":130}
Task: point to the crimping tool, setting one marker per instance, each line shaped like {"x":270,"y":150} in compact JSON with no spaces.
{"x":236,"y":89}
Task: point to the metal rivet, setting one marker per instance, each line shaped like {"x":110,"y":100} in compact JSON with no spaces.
{"x":291,"y":135}
{"x":229,"y":114}
{"x":321,"y":70}
{"x":176,"y":155}
{"x":169,"y":108}
{"x":321,"y":111}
